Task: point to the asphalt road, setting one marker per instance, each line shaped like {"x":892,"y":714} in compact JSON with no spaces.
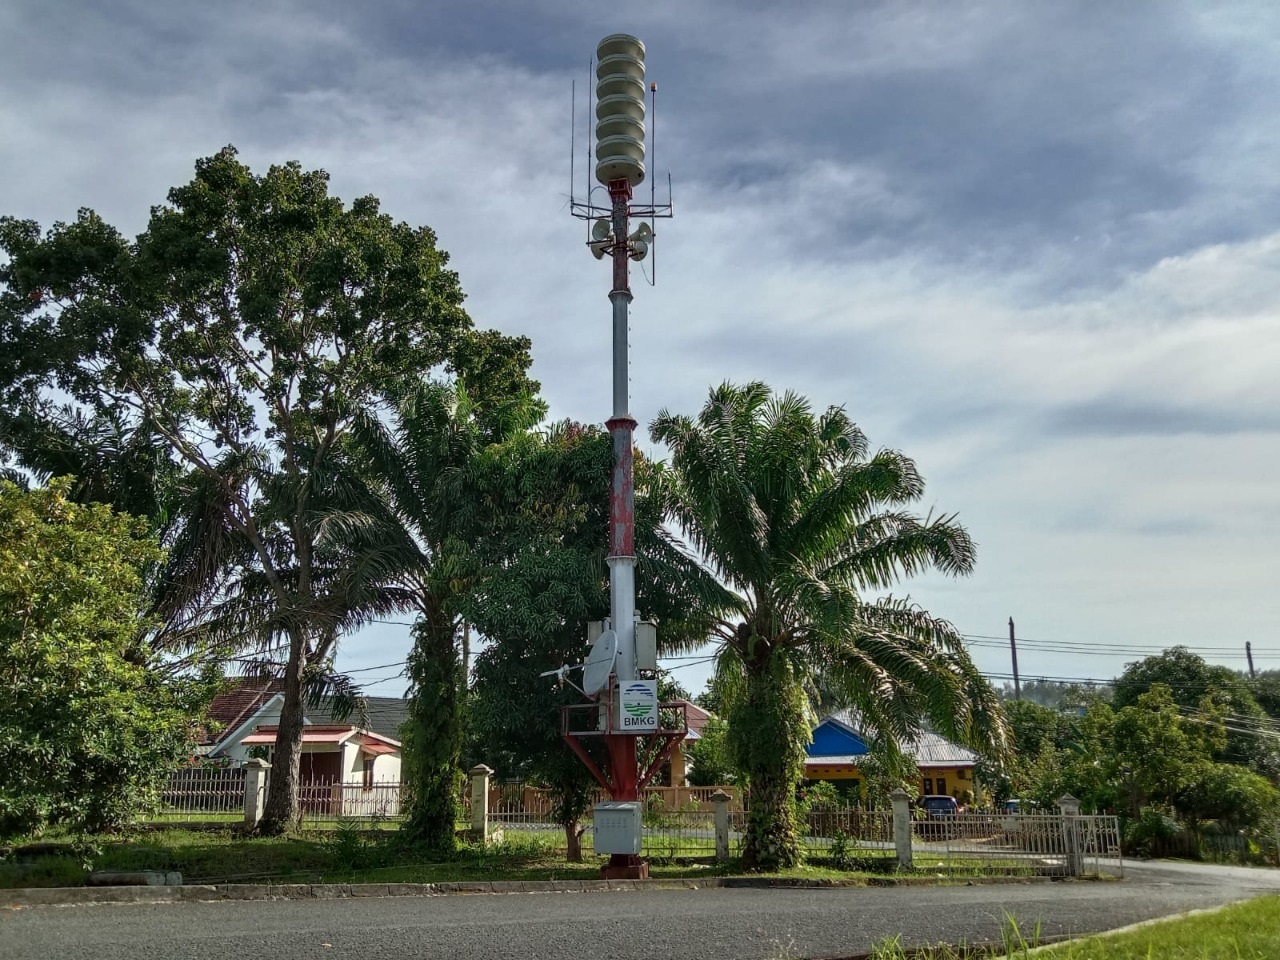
{"x":654,"y":925}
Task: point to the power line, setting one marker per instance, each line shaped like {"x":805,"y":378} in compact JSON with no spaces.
{"x":1105,"y":650}
{"x":381,"y":666}
{"x":1114,"y":645}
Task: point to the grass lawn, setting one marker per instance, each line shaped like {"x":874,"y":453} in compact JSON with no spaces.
{"x":1243,"y":931}
{"x":350,"y":856}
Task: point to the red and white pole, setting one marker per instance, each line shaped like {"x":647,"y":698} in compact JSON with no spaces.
{"x":622,"y":553}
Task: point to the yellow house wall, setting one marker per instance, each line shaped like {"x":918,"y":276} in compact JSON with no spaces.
{"x":958,"y":780}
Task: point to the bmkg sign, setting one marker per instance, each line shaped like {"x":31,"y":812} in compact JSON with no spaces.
{"x":638,"y":706}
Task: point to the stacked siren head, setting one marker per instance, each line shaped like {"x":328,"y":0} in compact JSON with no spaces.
{"x":620,"y":109}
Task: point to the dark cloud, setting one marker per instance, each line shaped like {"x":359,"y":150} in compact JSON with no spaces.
{"x":1121,"y":418}
{"x":1008,"y":135}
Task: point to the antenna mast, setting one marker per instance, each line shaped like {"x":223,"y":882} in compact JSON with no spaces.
{"x":630,"y":705}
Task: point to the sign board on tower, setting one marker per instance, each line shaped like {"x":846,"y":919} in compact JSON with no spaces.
{"x":638,"y":706}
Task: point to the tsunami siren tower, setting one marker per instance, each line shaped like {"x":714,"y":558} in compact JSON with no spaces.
{"x":623,"y":648}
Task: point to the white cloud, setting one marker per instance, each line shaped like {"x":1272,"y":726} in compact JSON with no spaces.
{"x":1098,"y":429}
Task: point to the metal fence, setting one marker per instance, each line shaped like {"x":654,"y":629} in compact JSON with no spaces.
{"x":687,"y":831}
{"x":323,"y":803}
{"x":679,"y":823}
{"x":1017,"y":844}
{"x":521,"y":807}
{"x":677,"y":834}
{"x":1100,"y":845}
{"x":848,"y":833}
{"x":1215,"y":844}
{"x":203,"y":793}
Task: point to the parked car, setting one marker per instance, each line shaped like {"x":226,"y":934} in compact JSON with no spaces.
{"x":939,"y":807}
{"x":938,"y":811}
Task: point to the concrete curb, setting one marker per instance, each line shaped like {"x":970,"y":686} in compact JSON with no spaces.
{"x":72,"y":896}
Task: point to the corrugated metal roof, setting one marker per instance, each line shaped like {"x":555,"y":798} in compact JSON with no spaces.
{"x":934,"y":749}
{"x":696,"y":717}
{"x":929,"y":750}
{"x":834,"y":760}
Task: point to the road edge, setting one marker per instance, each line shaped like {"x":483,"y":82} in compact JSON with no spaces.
{"x":198,"y":892}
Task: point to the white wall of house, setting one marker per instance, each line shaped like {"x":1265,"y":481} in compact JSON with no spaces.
{"x":380,"y":801}
{"x":386,"y":767}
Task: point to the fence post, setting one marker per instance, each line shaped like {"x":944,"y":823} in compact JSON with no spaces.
{"x":255,"y":790}
{"x":902,"y":827}
{"x":721,"y":801}
{"x":480,"y":775}
{"x":1070,"y":808}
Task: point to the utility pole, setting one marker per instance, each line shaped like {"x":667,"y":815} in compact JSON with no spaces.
{"x":1248,"y":652}
{"x":1013,"y":648}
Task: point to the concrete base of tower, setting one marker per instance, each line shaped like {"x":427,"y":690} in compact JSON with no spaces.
{"x":623,"y":866}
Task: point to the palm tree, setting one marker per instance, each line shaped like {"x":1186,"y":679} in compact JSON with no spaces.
{"x":422,"y":518}
{"x":805,"y":528}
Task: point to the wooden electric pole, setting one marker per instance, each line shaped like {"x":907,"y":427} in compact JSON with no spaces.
{"x":1248,"y":652}
{"x":1013,"y":648}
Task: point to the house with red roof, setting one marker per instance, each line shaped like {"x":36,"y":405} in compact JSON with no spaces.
{"x":362,"y":748}
{"x":696,"y":718}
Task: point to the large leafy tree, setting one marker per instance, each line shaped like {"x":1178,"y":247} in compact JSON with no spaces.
{"x":806,"y":527}
{"x":1189,"y":679}
{"x":539,"y":576}
{"x":1266,"y":692}
{"x":88,"y":729}
{"x":1036,"y":733}
{"x":1148,"y":753}
{"x":712,"y":763}
{"x":111,"y":458}
{"x":248,"y":326}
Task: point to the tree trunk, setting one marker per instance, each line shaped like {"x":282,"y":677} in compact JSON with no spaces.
{"x":281,"y":812}
{"x":573,"y":841}
{"x":768,"y":734}
{"x":433,"y":735}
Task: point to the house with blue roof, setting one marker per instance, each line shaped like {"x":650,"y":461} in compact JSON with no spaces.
{"x":838,"y":747}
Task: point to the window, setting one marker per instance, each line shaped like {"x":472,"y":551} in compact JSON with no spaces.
{"x":962,"y":774}
{"x":368,"y":772}
{"x":942,"y":785}
{"x":928,"y":786}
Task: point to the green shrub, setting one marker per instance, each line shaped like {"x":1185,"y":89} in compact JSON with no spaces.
{"x":1152,"y":833}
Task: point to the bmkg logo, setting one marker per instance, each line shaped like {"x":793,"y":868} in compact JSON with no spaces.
{"x":641,"y":708}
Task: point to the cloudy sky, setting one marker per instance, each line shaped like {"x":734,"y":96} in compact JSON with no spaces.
{"x":1035,"y":246}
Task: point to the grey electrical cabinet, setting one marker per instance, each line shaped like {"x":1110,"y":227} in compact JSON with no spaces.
{"x":617,"y":827}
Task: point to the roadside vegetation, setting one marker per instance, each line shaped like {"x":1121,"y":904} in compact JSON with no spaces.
{"x":1180,"y":749}
{"x":231,"y":442}
{"x":348,"y":855}
{"x":1243,"y":931}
